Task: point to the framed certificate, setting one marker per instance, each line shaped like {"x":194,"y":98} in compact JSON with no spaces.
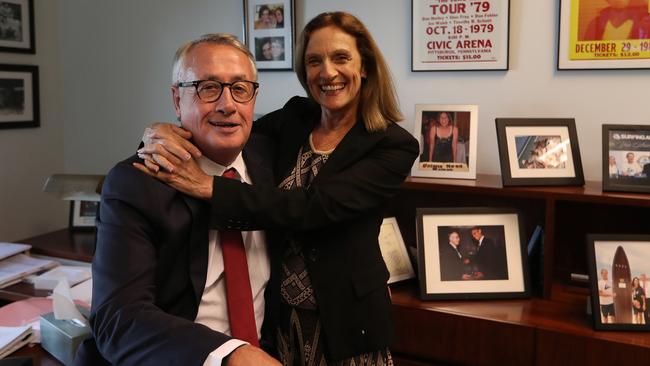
{"x":394,"y":251}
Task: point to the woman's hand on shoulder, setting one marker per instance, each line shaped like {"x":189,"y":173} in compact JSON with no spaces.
{"x":167,"y":146}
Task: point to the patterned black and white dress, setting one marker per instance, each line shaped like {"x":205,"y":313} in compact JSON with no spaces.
{"x":300,"y":337}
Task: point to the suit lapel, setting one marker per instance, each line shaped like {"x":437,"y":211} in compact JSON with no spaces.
{"x":198,"y":265}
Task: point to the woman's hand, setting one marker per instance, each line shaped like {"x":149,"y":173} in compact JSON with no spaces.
{"x":187,"y":177}
{"x":166,"y":146}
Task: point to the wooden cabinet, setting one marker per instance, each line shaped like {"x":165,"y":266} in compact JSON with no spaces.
{"x":552,"y":328}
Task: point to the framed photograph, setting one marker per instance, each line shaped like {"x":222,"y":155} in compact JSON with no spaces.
{"x":448,"y":138}
{"x":17,"y":26}
{"x":269,"y":33}
{"x":539,"y":151}
{"x":393,"y":250}
{"x":604,"y":34}
{"x":619,"y":269}
{"x":626,"y":158}
{"x":19,"y":104}
{"x":459,"y":35}
{"x":83,"y":214}
{"x":471,"y":253}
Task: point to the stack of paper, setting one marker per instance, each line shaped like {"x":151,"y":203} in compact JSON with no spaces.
{"x":12,"y":338}
{"x":9,"y":249}
{"x":15,"y":268}
{"x":72,"y":274}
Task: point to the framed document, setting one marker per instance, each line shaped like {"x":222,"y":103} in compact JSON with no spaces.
{"x":599,"y":34}
{"x":459,"y":35}
{"x":448,"y":139}
{"x":19,"y":103}
{"x":626,"y":158}
{"x":471,"y":253}
{"x":17,"y":26}
{"x":269,"y":33}
{"x":618,"y":270}
{"x":393,"y":250}
{"x":539,"y":151}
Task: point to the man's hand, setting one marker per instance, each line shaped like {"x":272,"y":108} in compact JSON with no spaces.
{"x":187,"y":177}
{"x":247,"y":355}
{"x":166,"y":146}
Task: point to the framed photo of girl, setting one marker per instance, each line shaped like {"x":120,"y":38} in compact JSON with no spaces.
{"x":619,"y":272}
{"x":626,"y":158}
{"x":448,"y":141}
{"x":539,"y":151}
{"x":269,"y":33}
{"x":17,"y":26}
{"x":471,"y":253}
{"x":604,"y":34}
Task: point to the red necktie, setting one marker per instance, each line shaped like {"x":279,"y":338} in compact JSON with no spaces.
{"x":239,"y":295}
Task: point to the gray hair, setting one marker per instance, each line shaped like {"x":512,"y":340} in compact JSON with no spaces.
{"x":225,"y":39}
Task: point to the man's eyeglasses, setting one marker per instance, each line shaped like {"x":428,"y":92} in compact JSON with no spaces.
{"x":210,"y":91}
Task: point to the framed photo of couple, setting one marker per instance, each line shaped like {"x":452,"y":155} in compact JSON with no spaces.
{"x":619,"y":269}
{"x":471,"y":253}
{"x":269,"y":33}
{"x":447,"y":136}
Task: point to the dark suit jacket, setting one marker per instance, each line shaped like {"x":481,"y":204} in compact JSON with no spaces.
{"x":491,"y":260}
{"x":149,"y":269}
{"x":336,"y":220}
{"x":451,"y":265}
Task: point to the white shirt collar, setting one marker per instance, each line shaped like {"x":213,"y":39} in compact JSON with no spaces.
{"x":212,"y":168}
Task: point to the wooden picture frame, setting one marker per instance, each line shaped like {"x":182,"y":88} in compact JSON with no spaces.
{"x":270,"y":42}
{"x":614,"y":263}
{"x":19,"y":96}
{"x":453,"y":265}
{"x":438,"y":158}
{"x":626,"y":158}
{"x":463,"y":35}
{"x":394,"y":252}
{"x":17,"y":26}
{"x":539,"y":151}
{"x":588,"y":40}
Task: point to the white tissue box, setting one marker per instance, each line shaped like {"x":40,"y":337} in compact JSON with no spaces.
{"x":61,"y":338}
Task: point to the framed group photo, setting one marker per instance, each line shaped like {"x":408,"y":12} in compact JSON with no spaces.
{"x":269,"y":33}
{"x":604,"y":34}
{"x":459,"y":36}
{"x":539,"y":151}
{"x":619,"y":270}
{"x":471,"y":253}
{"x":19,"y":102}
{"x":626,"y":158}
{"x":448,"y":141}
{"x":394,"y":252}
{"x":17,"y":26}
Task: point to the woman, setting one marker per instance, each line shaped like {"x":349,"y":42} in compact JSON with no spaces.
{"x":279,"y":17}
{"x":264,"y":18}
{"x":638,"y":301}
{"x":340,"y":156}
{"x":443,"y":139}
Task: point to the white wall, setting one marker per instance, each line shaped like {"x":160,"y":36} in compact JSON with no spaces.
{"x":28,"y":156}
{"x":115,"y":64}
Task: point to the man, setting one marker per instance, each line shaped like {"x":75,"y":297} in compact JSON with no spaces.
{"x":606,"y":297}
{"x":490,"y":259}
{"x":452,"y":263}
{"x":630,"y":168}
{"x":160,"y":294}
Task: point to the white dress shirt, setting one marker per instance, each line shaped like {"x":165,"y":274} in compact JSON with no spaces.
{"x":213,"y":309}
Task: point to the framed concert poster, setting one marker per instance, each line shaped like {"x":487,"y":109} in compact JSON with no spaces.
{"x":459,"y":35}
{"x":539,"y":152}
{"x":19,"y":102}
{"x":618,"y":270}
{"x":626,"y":158}
{"x":471,"y":253}
{"x":269,"y":33}
{"x":17,"y":26}
{"x":604,"y":34}
{"x":448,"y":141}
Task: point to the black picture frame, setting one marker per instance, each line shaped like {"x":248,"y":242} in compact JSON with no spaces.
{"x":271,"y":44}
{"x":19,"y":38}
{"x":620,"y":142}
{"x":19,"y":96}
{"x":525,"y":163}
{"x":446,"y":273}
{"x":83,"y":214}
{"x":609,"y":252}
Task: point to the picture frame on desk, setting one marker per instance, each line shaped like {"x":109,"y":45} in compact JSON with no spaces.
{"x":17,"y":26}
{"x":471,"y":253}
{"x":447,"y":135}
{"x":83,"y":214}
{"x":19,"y":96}
{"x":626,"y":158}
{"x":539,"y":152}
{"x":619,"y":271}
{"x":394,"y":252}
{"x":270,"y":40}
